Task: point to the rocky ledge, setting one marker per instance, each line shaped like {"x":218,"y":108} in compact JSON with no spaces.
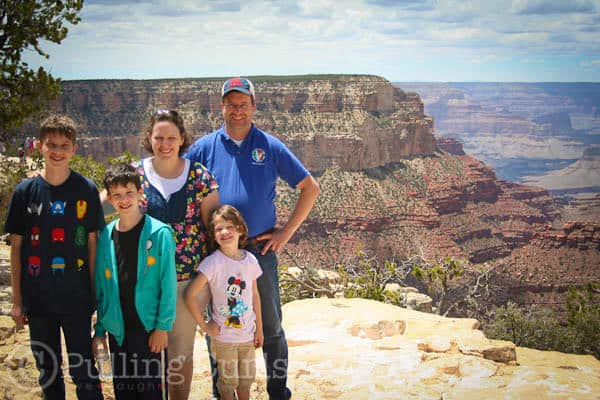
{"x":578,"y":235}
{"x":361,"y":349}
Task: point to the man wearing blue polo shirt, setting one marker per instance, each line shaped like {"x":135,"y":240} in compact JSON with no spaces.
{"x":246,"y":163}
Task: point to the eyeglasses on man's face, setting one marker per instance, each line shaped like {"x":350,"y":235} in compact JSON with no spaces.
{"x":237,"y":107}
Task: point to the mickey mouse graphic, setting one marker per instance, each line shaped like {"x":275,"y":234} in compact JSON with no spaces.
{"x":236,"y":304}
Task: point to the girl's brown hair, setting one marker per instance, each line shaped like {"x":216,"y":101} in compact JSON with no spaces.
{"x":171,"y":116}
{"x":230,"y":214}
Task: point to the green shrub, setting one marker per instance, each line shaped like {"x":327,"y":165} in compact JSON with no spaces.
{"x":537,"y":328}
{"x":360,"y":276}
{"x":583,"y":308}
{"x":11,"y":173}
{"x":541,"y":328}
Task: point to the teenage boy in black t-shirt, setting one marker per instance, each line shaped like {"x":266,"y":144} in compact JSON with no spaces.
{"x":53,"y":221}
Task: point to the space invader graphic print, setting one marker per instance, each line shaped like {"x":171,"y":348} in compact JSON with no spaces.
{"x":35,"y":236}
{"x":35,"y":208}
{"x":58,"y":266}
{"x":33,"y":266}
{"x":58,"y":207}
{"x":81,"y":209}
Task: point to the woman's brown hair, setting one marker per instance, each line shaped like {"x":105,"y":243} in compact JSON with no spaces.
{"x":171,"y":116}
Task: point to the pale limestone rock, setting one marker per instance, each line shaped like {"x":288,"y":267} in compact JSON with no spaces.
{"x":411,"y":298}
{"x":328,"y":362}
{"x":331,"y":276}
{"x":5,"y":300}
{"x":476,"y":368}
{"x":436,"y":344}
{"x":407,"y":289}
{"x":392,"y":287}
{"x":14,"y":363}
{"x":295,"y":272}
{"x":4,"y":273}
{"x":418,"y":301}
{"x":5,"y":295}
{"x":401,"y":290}
{"x":330,"y":359}
{"x":379,"y":330}
{"x":7,"y":327}
{"x":500,"y":351}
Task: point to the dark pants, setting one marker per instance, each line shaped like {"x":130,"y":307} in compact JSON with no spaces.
{"x":275,"y":348}
{"x":137,"y":372}
{"x":44,"y":332}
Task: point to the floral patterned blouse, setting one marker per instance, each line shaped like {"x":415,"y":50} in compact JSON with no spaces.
{"x":182,"y":212}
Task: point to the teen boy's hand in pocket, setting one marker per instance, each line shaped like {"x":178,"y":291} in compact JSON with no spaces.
{"x":158,"y":341}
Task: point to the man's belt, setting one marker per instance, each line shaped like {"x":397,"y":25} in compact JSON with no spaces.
{"x":253,"y":241}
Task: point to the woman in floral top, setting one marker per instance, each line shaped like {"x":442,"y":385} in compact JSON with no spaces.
{"x":182,"y":194}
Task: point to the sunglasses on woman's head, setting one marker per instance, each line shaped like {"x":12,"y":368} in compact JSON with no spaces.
{"x":164,"y":111}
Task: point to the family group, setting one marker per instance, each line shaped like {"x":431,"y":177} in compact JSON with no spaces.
{"x":194,"y":246}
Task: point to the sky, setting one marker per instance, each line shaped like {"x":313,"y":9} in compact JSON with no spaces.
{"x":400,"y":40}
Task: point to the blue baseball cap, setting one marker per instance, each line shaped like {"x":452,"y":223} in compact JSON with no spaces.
{"x":242,"y":85}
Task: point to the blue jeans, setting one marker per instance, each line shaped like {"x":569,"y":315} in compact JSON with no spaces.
{"x":275,"y":350}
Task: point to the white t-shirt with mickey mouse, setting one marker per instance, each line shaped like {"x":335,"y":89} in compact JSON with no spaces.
{"x":230,"y":283}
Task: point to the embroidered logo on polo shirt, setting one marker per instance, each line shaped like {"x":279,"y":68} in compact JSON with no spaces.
{"x":258,"y":155}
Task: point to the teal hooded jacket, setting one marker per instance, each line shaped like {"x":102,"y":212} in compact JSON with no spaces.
{"x":156,"y":286}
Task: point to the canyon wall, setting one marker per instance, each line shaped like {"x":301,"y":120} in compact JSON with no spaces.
{"x":521,"y":129}
{"x":388,"y":187}
{"x":353,"y":122}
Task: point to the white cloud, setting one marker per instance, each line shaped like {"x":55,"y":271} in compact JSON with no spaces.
{"x":483,"y":59}
{"x":590,"y":64}
{"x":417,"y":5}
{"x":552,"y":6}
{"x":210,"y":37}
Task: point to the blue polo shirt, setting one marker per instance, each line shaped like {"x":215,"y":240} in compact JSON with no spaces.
{"x":247,"y":174}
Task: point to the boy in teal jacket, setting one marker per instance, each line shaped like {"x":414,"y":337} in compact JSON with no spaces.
{"x":135,"y":290}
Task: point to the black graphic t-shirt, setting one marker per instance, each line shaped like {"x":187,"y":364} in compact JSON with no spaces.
{"x":54,"y":222}
{"x":126,"y":250}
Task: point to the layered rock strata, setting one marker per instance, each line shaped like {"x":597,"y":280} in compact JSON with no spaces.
{"x":388,"y":186}
{"x":354,"y":122}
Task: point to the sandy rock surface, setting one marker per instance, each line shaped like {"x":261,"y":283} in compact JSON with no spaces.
{"x":362,"y":349}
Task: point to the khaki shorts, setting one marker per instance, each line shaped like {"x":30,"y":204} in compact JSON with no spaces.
{"x":236,"y":365}
{"x":181,"y":338}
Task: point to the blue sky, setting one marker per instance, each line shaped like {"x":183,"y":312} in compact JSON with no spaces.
{"x":401,"y":40}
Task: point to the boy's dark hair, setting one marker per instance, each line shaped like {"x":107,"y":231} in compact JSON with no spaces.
{"x":230,"y":214}
{"x":171,"y":116}
{"x":121,"y":174}
{"x":58,"y":124}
